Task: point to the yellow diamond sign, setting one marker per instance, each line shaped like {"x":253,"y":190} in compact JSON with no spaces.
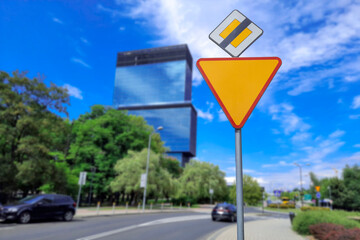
{"x":238,"y":83}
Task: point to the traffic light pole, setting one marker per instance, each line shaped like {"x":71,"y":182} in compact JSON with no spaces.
{"x":239,"y":186}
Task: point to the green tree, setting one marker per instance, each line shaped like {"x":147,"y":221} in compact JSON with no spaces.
{"x":251,"y":190}
{"x":101,"y":138}
{"x":29,"y":131}
{"x":128,"y":172}
{"x":198,"y":177}
{"x":172,"y":165}
{"x":351,"y":176}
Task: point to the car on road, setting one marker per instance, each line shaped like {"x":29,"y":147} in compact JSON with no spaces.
{"x":44,"y":206}
{"x":224,"y":211}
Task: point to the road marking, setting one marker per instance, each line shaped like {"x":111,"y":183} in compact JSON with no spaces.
{"x":151,"y":223}
{"x":6,"y":228}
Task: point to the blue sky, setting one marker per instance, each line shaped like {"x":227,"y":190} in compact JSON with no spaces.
{"x":309,"y":114}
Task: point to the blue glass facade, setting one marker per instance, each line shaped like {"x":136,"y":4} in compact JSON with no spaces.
{"x":164,"y":83}
{"x":156,"y":84}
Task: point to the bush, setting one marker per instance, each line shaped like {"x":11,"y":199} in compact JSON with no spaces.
{"x":307,"y":208}
{"x":304,"y":220}
{"x":329,"y":231}
{"x":282,"y":205}
{"x":347,"y":234}
{"x":321,"y":230}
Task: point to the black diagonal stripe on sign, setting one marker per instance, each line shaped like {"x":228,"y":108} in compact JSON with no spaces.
{"x":235,"y":33}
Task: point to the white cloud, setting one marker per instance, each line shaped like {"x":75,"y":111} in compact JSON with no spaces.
{"x":260,"y":180}
{"x":81,"y":62}
{"x":301,"y":137}
{"x":356,"y":102}
{"x":357,"y":145}
{"x":230,"y":180}
{"x":122,"y":28}
{"x":351,"y":78}
{"x":289,"y":121}
{"x":73,"y":91}
{"x":84,"y":40}
{"x":57,"y":20}
{"x":302,"y":34}
{"x":337,"y":133}
{"x":248,"y":171}
{"x":222,"y":116}
{"x":205,"y":115}
{"x":353,"y":159}
{"x":276,"y":165}
{"x":356,"y":116}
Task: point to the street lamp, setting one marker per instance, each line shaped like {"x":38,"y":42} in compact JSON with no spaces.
{"x":147,"y":166}
{"x":301,"y":187}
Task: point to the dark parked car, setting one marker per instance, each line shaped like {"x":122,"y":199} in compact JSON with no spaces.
{"x":224,"y":211}
{"x":40,"y":207}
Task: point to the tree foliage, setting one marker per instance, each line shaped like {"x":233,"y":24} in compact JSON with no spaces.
{"x":198,"y":177}
{"x":101,"y":138}
{"x":251,"y":191}
{"x":29,"y":130}
{"x":128,"y":173}
{"x":345,"y":191}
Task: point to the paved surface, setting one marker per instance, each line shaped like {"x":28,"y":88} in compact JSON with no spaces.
{"x":156,"y":224}
{"x":265,"y":229}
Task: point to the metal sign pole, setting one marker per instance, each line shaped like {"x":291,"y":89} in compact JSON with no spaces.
{"x":78,"y":198}
{"x":239,"y":186}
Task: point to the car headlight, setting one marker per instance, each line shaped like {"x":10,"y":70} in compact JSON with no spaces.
{"x":12,"y":209}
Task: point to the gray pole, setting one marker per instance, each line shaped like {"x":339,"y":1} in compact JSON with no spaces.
{"x":147,"y":170}
{"x":301,"y":186}
{"x":302,"y":191}
{"x":239,"y":186}
{"x":78,"y":199}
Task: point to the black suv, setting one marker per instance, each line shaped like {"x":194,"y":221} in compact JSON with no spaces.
{"x":40,"y":207}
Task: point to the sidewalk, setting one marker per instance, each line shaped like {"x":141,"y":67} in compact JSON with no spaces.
{"x":267,"y":229}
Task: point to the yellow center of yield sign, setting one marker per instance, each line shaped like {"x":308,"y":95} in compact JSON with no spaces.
{"x":238,"y":83}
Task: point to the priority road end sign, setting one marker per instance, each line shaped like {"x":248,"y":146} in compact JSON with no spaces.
{"x":235,"y":33}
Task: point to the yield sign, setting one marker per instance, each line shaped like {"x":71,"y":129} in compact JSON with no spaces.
{"x":238,"y":83}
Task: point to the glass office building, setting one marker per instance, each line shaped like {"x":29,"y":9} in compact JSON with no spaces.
{"x":156,"y":84}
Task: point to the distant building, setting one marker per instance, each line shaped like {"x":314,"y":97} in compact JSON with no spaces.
{"x":156,"y":84}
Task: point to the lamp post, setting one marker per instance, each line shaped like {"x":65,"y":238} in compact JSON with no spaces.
{"x":301,"y":186}
{"x":147,"y":166}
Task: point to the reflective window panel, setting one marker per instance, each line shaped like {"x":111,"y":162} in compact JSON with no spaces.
{"x":150,"y":84}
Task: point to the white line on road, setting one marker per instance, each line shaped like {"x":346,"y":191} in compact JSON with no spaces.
{"x":156,"y":222}
{"x":6,"y":228}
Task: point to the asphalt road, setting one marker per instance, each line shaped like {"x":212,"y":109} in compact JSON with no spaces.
{"x":149,"y":226}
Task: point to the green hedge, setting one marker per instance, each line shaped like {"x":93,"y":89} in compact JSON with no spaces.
{"x":307,"y":208}
{"x":303,"y":220}
{"x":282,"y":205}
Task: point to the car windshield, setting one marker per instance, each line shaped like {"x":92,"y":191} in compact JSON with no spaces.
{"x":30,"y":199}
